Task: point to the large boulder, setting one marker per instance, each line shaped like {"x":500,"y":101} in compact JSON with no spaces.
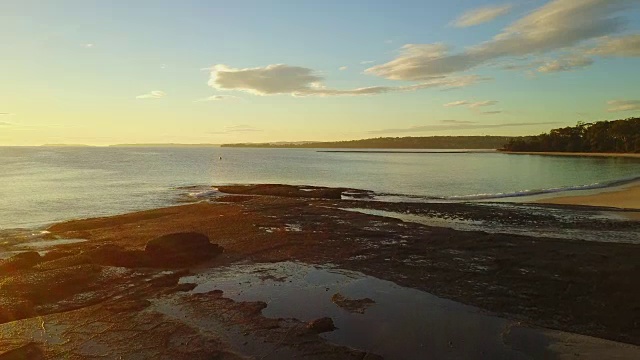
{"x":181,"y":249}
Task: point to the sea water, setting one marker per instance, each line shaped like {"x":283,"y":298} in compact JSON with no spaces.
{"x":41,"y":185}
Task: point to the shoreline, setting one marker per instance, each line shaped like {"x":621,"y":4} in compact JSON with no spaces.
{"x":524,"y":281}
{"x":574,"y":154}
{"x":626,"y":198}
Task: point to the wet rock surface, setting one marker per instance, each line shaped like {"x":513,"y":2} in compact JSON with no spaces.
{"x":321,"y":325}
{"x":358,"y":306}
{"x":109,"y":296}
{"x":181,"y":249}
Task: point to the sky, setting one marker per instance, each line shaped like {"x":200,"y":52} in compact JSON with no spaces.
{"x":165,"y":71}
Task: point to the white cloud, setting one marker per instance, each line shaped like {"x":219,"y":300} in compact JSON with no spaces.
{"x":219,"y":98}
{"x":343,"y":68}
{"x":156,"y":94}
{"x":299,"y":81}
{"x":365,"y":62}
{"x":478,"y":104}
{"x":481,"y":15}
{"x":567,"y":63}
{"x":89,"y":45}
{"x":475,"y":106}
{"x":456,"y":103}
{"x":623,"y":46}
{"x":623,"y":105}
{"x":557,"y":25}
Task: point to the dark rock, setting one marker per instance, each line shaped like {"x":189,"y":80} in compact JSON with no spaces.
{"x":20,"y":261}
{"x":358,"y":306}
{"x":30,"y":351}
{"x":181,"y":249}
{"x":13,"y":308}
{"x":49,"y":286}
{"x":114,"y":255}
{"x":63,"y":262}
{"x":321,"y":325}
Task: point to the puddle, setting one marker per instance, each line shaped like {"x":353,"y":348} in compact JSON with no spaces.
{"x":403,"y":323}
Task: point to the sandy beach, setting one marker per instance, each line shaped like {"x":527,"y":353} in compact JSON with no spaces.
{"x":583,"y":154}
{"x":626,"y":198}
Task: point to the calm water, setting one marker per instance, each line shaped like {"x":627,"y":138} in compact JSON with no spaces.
{"x":41,"y":185}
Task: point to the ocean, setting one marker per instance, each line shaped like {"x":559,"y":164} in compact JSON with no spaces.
{"x":42,"y":185}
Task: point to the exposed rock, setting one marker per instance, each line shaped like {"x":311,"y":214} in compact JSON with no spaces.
{"x":181,"y":249}
{"x":53,"y":285}
{"x":321,"y":325}
{"x":20,"y":261}
{"x":285,"y":191}
{"x":29,"y":351}
{"x":14,"y":308}
{"x":114,"y":255}
{"x":358,"y":306}
{"x":63,"y":262}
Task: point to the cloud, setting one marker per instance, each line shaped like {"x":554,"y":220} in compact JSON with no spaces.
{"x":156,"y":94}
{"x":623,"y":105}
{"x":299,"y":81}
{"x":4,"y":123}
{"x":269,"y":80}
{"x":475,"y":106}
{"x":5,"y":114}
{"x":236,"y":129}
{"x":470,"y":104}
{"x":456,"y":103}
{"x":478,"y":104}
{"x":481,"y":15}
{"x":453,"y":126}
{"x":342,"y":68}
{"x":88,"y":46}
{"x":567,"y":63}
{"x":365,"y":62}
{"x":219,"y":98}
{"x":623,"y":46}
{"x":557,"y":25}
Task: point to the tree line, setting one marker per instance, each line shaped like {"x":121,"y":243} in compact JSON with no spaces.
{"x":422,"y":142}
{"x":617,"y":136}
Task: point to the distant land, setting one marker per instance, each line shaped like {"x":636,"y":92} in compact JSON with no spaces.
{"x":410,"y":142}
{"x":66,"y":145}
{"x":616,"y":136}
{"x":165,"y":145}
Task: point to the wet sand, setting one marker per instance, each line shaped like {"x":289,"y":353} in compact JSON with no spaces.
{"x":550,"y":153}
{"x":627,"y":198}
{"x":520,"y":282}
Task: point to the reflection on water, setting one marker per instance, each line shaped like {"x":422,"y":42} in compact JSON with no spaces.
{"x":403,"y":323}
{"x":42,"y":185}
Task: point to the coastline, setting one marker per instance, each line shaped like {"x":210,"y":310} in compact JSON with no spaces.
{"x":524,"y":282}
{"x":625,"y":198}
{"x":575,"y":154}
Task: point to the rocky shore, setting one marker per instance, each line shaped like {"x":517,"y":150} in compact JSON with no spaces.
{"x":119,"y":294}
